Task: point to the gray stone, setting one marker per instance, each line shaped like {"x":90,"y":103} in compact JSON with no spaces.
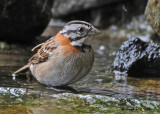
{"x":64,"y":7}
{"x":98,"y":12}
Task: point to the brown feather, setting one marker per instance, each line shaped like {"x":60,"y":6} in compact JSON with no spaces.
{"x":37,"y":46}
{"x":22,"y":68}
{"x":44,"y":52}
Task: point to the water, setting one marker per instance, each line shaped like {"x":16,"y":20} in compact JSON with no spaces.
{"x":101,"y":88}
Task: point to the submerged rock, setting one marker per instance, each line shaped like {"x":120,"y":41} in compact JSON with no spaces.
{"x":138,"y":58}
{"x":22,"y":20}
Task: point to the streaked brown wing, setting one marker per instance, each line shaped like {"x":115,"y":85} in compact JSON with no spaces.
{"x":39,"y":45}
{"x":46,"y":49}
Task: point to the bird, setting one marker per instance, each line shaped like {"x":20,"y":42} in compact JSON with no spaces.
{"x":65,"y":58}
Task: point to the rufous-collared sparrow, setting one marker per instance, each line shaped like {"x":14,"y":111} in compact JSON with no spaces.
{"x":65,"y":58}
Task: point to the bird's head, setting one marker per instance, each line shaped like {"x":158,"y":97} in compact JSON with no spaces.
{"x":79,"y":32}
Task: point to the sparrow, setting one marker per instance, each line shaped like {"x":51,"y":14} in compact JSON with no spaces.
{"x":65,"y":58}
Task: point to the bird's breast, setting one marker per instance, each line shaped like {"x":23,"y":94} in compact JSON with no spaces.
{"x":66,"y":44}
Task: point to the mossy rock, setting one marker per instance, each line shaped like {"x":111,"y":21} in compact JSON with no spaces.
{"x":153,"y":14}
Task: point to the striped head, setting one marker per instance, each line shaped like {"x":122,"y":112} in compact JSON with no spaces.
{"x":79,"y":32}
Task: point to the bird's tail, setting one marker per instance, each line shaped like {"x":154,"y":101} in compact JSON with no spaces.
{"x":22,"y":68}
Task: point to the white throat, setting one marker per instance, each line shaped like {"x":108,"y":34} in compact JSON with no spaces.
{"x":81,"y":42}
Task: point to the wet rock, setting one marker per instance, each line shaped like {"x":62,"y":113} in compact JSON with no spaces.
{"x":99,"y":12}
{"x":138,"y":58}
{"x":67,"y":102}
{"x":101,"y":102}
{"x":153,"y":15}
{"x":22,"y":20}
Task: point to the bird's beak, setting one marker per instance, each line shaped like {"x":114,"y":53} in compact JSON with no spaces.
{"x":94,"y":31}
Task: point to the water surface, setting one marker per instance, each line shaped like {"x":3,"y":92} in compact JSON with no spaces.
{"x":100,"y":91}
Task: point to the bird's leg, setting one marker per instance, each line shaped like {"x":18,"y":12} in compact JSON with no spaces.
{"x":28,"y":76}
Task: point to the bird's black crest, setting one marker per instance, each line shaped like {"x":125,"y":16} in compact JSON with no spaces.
{"x":79,"y":22}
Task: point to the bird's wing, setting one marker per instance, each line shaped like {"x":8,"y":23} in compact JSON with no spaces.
{"x":46,"y":49}
{"x":41,"y":44}
{"x":37,"y":46}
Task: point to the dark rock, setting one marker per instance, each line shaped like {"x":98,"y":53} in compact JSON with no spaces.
{"x":153,"y":15}
{"x":138,"y":58}
{"x":22,"y":20}
{"x":98,"y":12}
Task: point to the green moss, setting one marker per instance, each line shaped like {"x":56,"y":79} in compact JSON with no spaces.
{"x":84,"y":103}
{"x":25,"y":99}
{"x":103,"y":104}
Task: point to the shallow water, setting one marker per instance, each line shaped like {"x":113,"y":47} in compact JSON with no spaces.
{"x":97,"y":92}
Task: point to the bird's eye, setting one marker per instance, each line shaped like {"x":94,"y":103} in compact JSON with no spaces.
{"x":81,"y":29}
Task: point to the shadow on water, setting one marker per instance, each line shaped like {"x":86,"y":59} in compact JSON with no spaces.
{"x":100,"y":83}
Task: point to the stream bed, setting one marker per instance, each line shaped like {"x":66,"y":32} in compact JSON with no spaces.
{"x":101,"y":91}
